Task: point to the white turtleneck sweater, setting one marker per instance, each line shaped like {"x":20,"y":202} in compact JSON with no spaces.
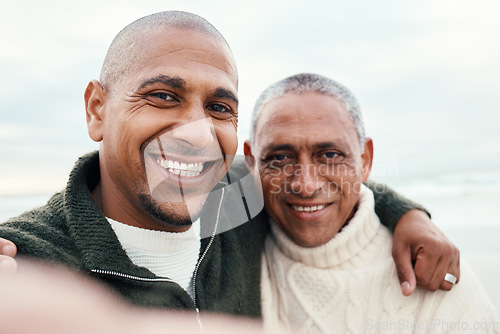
{"x":350,"y":285}
{"x":165,"y":254}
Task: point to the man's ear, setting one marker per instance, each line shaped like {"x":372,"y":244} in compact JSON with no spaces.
{"x":367,"y":158}
{"x":249,"y":158}
{"x":95,"y":97}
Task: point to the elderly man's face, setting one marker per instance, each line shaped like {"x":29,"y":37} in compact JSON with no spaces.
{"x":311,"y":165}
{"x":168,"y":130}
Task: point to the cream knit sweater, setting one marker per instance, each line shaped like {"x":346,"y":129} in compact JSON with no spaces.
{"x":350,"y":285}
{"x":165,"y":254}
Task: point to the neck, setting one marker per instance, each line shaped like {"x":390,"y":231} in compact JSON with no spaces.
{"x":113,"y":206}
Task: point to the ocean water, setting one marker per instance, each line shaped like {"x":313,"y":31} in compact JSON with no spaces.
{"x":465,"y":206}
{"x":11,"y":206}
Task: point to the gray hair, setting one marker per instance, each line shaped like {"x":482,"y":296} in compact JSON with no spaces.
{"x":123,"y":55}
{"x":307,"y":83}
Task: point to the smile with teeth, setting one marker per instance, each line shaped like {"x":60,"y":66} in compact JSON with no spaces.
{"x":181,"y":168}
{"x":313,"y":208}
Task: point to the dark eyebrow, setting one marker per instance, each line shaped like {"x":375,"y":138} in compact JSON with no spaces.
{"x":174,"y":82}
{"x":224,"y":94}
{"x":289,"y":147}
{"x":272,"y":148}
{"x":338,"y":144}
{"x":325,"y":145}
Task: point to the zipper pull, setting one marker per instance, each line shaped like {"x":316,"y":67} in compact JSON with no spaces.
{"x":202,"y":330}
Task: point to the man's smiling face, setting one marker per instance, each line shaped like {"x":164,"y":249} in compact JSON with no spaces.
{"x":168,"y":130}
{"x":311,"y":165}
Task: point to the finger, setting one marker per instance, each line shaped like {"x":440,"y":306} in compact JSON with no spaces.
{"x":437,"y":281}
{"x":454,"y":269}
{"x":7,"y":265}
{"x":7,"y":248}
{"x":402,"y":258}
{"x":425,"y":266}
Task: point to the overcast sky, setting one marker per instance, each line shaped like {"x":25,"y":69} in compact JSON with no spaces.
{"x":426,"y":73}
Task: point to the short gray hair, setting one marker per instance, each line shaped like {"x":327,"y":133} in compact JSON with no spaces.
{"x":310,"y":83}
{"x":123,"y":55}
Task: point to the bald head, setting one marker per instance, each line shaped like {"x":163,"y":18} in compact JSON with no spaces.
{"x":124,"y":53}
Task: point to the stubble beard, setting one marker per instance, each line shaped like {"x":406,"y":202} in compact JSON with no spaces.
{"x":165,"y":215}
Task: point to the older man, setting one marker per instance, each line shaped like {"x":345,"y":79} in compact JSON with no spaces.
{"x":328,"y":266}
{"x":165,"y":114}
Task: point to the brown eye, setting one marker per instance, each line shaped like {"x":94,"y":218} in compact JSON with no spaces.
{"x":163,"y":95}
{"x":280,"y":157}
{"x":331,"y":155}
{"x":279,"y":160}
{"x":220,"y":111}
{"x":219,"y":108}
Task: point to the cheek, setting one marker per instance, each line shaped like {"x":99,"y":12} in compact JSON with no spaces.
{"x":234,"y":122}
{"x":227,"y":137}
{"x":347,"y":185}
{"x":346,"y":172}
{"x":272,"y":186}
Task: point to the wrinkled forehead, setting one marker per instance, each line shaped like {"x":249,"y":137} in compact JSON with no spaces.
{"x":182,"y":45}
{"x":303,"y":119}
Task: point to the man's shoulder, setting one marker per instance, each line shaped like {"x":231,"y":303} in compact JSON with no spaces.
{"x":41,"y":232}
{"x":46,"y":215}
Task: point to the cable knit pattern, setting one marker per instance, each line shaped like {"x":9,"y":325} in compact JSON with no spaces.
{"x":165,"y":254}
{"x":350,"y":285}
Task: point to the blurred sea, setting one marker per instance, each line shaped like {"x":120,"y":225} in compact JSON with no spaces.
{"x":466,"y":207}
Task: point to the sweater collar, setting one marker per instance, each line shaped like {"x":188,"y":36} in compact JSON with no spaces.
{"x":346,"y":244}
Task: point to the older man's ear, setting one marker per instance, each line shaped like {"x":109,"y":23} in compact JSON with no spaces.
{"x":249,"y":158}
{"x":367,"y":158}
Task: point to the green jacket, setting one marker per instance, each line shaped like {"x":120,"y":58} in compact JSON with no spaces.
{"x":72,"y":231}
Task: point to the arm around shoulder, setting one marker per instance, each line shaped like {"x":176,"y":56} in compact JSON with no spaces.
{"x":389,"y":205}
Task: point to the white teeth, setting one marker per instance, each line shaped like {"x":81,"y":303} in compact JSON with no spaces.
{"x":181,"y":168}
{"x":308,"y":208}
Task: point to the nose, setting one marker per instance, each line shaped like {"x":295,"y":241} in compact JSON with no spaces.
{"x":306,"y":181}
{"x":196,"y":134}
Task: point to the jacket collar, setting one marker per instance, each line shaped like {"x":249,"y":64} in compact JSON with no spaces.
{"x":92,"y":233}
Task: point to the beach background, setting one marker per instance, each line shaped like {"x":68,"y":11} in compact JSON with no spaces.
{"x":426,"y":73}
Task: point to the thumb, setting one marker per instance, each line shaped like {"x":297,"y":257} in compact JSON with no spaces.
{"x":7,"y":265}
{"x":404,"y":267}
{"x":7,"y":248}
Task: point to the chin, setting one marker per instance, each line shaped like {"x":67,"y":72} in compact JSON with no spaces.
{"x":168,"y":214}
